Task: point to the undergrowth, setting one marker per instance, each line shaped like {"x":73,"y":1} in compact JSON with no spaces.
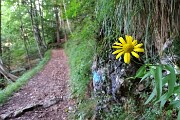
{"x":13,"y":87}
{"x":117,"y":113}
{"x":80,"y":49}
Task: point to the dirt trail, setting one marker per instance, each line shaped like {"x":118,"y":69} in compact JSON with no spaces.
{"x":45,"y":96}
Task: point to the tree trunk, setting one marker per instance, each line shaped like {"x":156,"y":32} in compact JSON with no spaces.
{"x":36,"y":25}
{"x":35,"y":30}
{"x":25,"y":44}
{"x":63,"y":24}
{"x":42,"y":23}
{"x":57,"y":22}
{"x":68,"y":24}
{"x":24,"y":39}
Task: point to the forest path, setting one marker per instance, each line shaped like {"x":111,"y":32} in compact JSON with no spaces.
{"x":45,"y":96}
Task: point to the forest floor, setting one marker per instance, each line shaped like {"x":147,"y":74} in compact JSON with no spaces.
{"x":45,"y":96}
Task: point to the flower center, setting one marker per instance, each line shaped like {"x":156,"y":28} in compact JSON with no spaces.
{"x":128,"y":48}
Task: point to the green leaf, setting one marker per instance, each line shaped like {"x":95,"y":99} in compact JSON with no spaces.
{"x":151,"y":96}
{"x":140,"y":71}
{"x":174,"y":104}
{"x":179,"y":115}
{"x":163,"y":98}
{"x":164,"y":81}
{"x":152,"y":70}
{"x":171,"y":81}
{"x":162,"y":103}
{"x":146,"y":75}
{"x":177,"y":89}
{"x":158,"y":81}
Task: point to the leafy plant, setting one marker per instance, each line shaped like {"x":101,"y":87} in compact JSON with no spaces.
{"x":159,"y":81}
{"x":117,"y":113}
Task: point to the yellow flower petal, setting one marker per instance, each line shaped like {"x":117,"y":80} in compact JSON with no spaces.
{"x":134,"y":42}
{"x":116,"y":47}
{"x":138,"y":45}
{"x":116,"y":43}
{"x":127,"y":58}
{"x":122,"y":40}
{"x":117,"y":51}
{"x":138,"y":49}
{"x":135,"y":54}
{"x":129,"y":39}
{"x":119,"y":54}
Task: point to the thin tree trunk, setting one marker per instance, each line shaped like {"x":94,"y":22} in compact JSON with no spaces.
{"x":35,"y":30}
{"x":24,"y":39}
{"x":42,"y":23}
{"x":57,"y":23}
{"x":25,"y":44}
{"x":68,"y":24}
{"x":36,"y":25}
{"x":63,"y":24}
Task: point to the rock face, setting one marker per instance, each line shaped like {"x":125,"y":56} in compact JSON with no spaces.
{"x":109,"y":82}
{"x":112,"y":75}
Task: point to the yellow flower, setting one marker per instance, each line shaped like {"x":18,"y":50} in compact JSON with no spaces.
{"x":127,"y":47}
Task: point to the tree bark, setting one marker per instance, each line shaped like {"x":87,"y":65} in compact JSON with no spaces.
{"x":25,"y":44}
{"x":68,"y":24}
{"x":35,"y":30}
{"x":63,"y":25}
{"x":24,"y":39}
{"x":57,"y":22}
{"x":36,"y":24}
{"x":42,"y":23}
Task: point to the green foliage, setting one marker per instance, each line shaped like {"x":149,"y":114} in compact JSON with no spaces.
{"x":155,"y":73}
{"x":80,"y":49}
{"x":13,"y":87}
{"x":117,"y":113}
{"x":118,"y":18}
{"x":15,"y":15}
{"x":158,"y":80}
{"x":85,"y":110}
{"x":74,"y":7}
{"x":141,"y":71}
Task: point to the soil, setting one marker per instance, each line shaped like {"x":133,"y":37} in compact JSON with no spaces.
{"x":45,"y":96}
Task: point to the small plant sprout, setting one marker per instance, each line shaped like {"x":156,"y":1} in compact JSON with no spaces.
{"x":127,"y":47}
